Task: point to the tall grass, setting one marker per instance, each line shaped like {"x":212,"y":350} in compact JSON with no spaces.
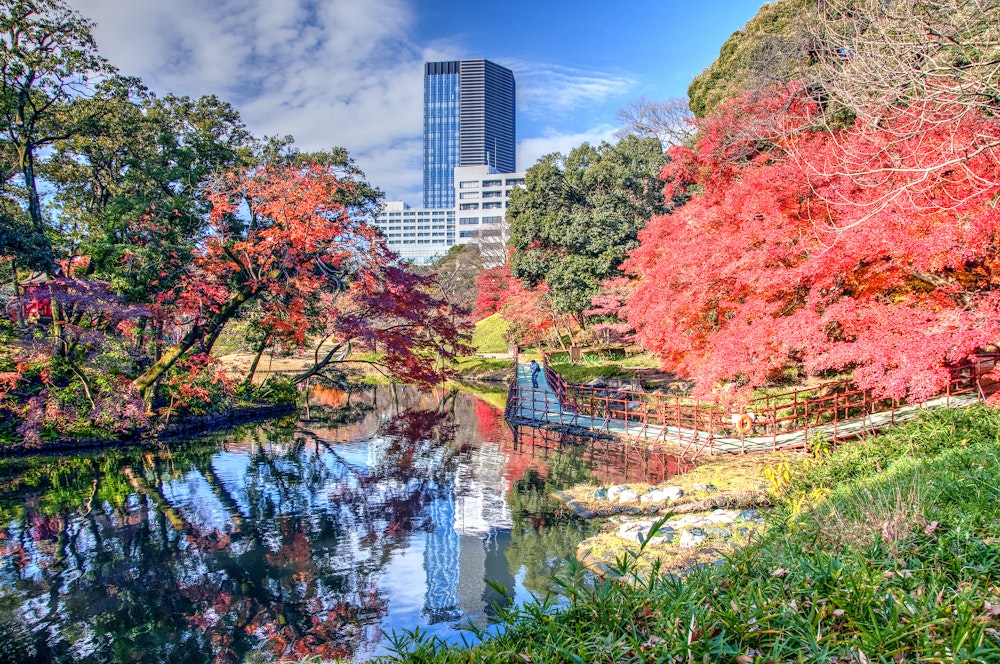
{"x":883,"y":551}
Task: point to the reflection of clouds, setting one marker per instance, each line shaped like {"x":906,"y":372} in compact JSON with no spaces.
{"x":192,"y":495}
{"x":323,"y":536}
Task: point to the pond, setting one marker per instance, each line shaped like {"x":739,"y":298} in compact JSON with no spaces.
{"x":383,"y":512}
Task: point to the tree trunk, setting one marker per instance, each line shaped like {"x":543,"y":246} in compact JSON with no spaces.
{"x":27,"y":159}
{"x":197,"y":333}
{"x":17,"y":293}
{"x":57,"y":328}
{"x":256,"y":360}
{"x":318,"y":366}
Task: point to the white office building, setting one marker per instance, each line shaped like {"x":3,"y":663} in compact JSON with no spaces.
{"x":479,"y":216}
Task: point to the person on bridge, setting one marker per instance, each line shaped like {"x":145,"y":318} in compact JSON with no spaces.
{"x":535,"y":370}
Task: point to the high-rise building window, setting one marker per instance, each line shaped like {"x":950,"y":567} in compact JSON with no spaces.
{"x":468,"y":121}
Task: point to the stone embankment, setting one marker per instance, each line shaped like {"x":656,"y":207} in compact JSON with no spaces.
{"x":185,"y":426}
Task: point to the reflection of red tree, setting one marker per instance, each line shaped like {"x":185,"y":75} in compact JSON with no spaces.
{"x":293,"y":625}
{"x":418,"y":426}
{"x":520,"y":458}
{"x":489,"y":421}
{"x":327,"y":396}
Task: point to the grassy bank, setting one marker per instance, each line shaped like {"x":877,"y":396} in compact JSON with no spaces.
{"x":881,"y":551}
{"x":488,"y":335}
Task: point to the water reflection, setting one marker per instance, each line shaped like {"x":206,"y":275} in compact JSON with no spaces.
{"x":290,"y":538}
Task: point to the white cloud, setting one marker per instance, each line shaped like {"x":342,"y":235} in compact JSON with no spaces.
{"x":530,"y":149}
{"x":332,"y":73}
{"x":546,"y":89}
{"x":329,"y":72}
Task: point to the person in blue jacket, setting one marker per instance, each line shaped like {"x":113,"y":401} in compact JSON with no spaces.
{"x":535,"y":370}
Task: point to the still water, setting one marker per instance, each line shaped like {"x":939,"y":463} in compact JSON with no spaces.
{"x":384,"y":511}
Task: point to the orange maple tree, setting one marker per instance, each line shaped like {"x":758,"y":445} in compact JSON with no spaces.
{"x":283,"y":240}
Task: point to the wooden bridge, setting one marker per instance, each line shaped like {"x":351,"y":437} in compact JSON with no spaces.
{"x":689,"y":428}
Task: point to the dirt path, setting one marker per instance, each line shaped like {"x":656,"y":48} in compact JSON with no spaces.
{"x":238,"y":364}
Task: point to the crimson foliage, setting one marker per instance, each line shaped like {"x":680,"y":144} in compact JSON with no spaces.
{"x":870,"y":251}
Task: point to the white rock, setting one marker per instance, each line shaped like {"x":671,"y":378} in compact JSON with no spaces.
{"x":627,"y":496}
{"x":689,"y":540}
{"x":659,"y":495}
{"x":633,"y":529}
{"x":673,"y":492}
{"x":721,"y":516}
{"x":613,"y":491}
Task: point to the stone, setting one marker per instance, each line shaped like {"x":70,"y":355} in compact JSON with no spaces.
{"x":633,"y":529}
{"x":707,"y":488}
{"x":690,"y":539}
{"x":626,"y":496}
{"x":749,"y":515}
{"x":721,"y":516}
{"x":597,"y":382}
{"x":613,"y":491}
{"x":601,"y":494}
{"x":658,"y":496}
{"x":719,"y":533}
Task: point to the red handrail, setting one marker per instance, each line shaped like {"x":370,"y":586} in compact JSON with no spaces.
{"x":798,"y":410}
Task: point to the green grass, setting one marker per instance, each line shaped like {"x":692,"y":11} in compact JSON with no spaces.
{"x":597,"y":366}
{"x":488,"y":335}
{"x":882,"y":551}
{"x":581,"y":373}
{"x":482,"y":367}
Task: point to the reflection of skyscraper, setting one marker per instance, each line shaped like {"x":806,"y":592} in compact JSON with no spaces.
{"x":468,"y":121}
{"x":441,"y":560}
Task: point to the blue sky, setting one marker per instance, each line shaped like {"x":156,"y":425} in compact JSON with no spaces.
{"x":349,"y":72}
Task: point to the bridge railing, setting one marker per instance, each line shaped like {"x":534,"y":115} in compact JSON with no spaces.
{"x":841,"y":409}
{"x":513,"y":391}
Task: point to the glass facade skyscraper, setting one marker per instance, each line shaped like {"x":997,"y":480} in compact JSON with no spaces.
{"x":468,"y":121}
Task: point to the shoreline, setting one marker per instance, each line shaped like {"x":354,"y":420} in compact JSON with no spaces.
{"x":198,"y":424}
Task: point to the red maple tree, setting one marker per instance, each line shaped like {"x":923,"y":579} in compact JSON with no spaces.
{"x":785,"y":256}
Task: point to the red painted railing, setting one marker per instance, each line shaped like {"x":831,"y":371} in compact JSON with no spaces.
{"x":842,"y":410}
{"x":513,"y":392}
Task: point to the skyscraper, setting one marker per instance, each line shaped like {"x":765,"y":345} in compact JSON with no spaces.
{"x":468,"y":121}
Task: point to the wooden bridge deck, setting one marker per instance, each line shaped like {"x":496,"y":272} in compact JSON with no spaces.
{"x":541,"y":406}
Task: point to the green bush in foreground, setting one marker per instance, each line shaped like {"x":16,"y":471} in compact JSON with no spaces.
{"x":883,"y":551}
